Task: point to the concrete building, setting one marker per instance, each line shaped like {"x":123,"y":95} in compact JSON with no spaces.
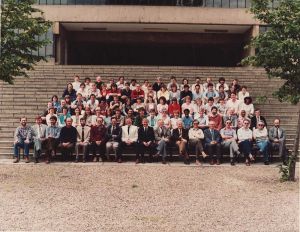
{"x":149,"y":32}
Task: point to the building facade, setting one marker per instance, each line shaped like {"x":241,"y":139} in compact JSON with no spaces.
{"x":149,"y":32}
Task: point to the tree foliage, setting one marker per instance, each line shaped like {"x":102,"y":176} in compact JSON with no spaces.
{"x":278,"y":49}
{"x":21,"y":25}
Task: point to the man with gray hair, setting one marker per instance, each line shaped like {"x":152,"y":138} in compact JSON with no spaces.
{"x":162,"y":138}
{"x":277,"y":138}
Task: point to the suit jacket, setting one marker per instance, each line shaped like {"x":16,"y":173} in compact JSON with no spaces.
{"x":160,"y":133}
{"x":175,"y":134}
{"x":146,"y":136}
{"x":114,"y":135}
{"x":133,"y":133}
{"x":281,"y":133}
{"x":208,"y":136}
{"x":87,"y":134}
{"x":254,"y":121}
{"x":35,"y":130}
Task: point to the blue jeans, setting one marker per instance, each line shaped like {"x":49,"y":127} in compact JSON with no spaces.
{"x":245,"y":147}
{"x":264,"y":149}
{"x":23,"y":145}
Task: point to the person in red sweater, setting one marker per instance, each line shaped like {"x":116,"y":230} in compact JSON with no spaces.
{"x":137,"y":93}
{"x":174,"y":106}
{"x":217,"y":118}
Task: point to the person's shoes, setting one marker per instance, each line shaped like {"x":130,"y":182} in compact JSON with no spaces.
{"x":266,"y":163}
{"x":16,"y":160}
{"x":119,"y":161}
{"x":26,"y":160}
{"x":187,"y":162}
{"x":212,"y":162}
{"x":247,"y":162}
{"x":232,"y":162}
{"x":137,"y":161}
{"x":95,"y":159}
{"x":198,"y":162}
{"x":218,"y":162}
{"x":204,"y":155}
{"x":47,"y":162}
{"x":163,"y":161}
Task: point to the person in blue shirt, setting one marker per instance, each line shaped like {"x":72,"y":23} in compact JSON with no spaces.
{"x":187,"y":119}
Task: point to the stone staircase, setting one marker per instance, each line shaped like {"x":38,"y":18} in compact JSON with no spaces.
{"x":29,"y":96}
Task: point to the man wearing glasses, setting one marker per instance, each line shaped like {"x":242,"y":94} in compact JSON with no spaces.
{"x":245,"y":141}
{"x":229,"y":137}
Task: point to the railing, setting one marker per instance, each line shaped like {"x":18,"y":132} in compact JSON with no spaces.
{"x":194,"y":3}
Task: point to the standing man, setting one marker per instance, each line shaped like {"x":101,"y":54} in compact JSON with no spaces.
{"x":113,"y":138}
{"x":146,"y":141}
{"x":196,"y":137}
{"x":67,"y":138}
{"x":129,"y":138}
{"x":39,"y":137}
{"x":98,"y":139}
{"x":22,"y":137}
{"x":162,"y":137}
{"x":213,"y":143}
{"x":83,"y":139}
{"x":229,"y":137}
{"x":52,"y":138}
{"x":277,"y":138}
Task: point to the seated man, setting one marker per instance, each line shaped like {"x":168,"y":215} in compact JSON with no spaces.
{"x":52,"y":138}
{"x":162,"y":137}
{"x":229,"y":137}
{"x":67,"y":139}
{"x":23,"y":138}
{"x":98,"y":139}
{"x":213,"y":142}
{"x":277,"y":137}
{"x":245,"y":138}
{"x":146,"y":141}
{"x":129,"y":138}
{"x":113,"y":138}
{"x":256,"y":118}
{"x":39,"y":137}
{"x":83,"y":139}
{"x":260,"y":134}
{"x":180,"y":137}
{"x":195,"y":140}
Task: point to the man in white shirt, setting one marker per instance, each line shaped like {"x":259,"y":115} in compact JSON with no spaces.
{"x":129,"y":137}
{"x":198,"y":82}
{"x":83,"y":139}
{"x":245,"y":139}
{"x":76,"y":83}
{"x":195,"y":140}
{"x":233,"y":103}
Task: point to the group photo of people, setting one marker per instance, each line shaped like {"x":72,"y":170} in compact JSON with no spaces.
{"x":103,"y":120}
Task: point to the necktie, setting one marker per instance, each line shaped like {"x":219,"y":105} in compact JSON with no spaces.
{"x":112,"y":129}
{"x":82,"y":134}
{"x":180,"y":132}
{"x":277,"y":133}
{"x":40,"y":132}
{"x":128,"y":129}
{"x":212,"y":135}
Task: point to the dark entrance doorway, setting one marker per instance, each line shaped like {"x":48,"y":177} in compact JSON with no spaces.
{"x":155,"y":49}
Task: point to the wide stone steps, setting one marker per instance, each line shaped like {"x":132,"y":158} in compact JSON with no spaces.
{"x":30,"y":96}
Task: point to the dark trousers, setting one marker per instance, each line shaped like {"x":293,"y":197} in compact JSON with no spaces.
{"x":98,"y":149}
{"x":123,"y":146}
{"x":51,"y":145}
{"x":67,"y":151}
{"x":214,"y":150}
{"x":246,"y":147}
{"x":142,"y":149}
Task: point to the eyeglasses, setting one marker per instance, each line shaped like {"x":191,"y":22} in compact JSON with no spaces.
{"x":246,"y":123}
{"x":228,"y":122}
{"x":261,"y":124}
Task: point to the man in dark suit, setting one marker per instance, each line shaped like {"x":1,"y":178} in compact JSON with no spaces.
{"x":180,"y":137}
{"x":146,"y":141}
{"x":255,"y":119}
{"x":113,"y":139}
{"x":277,"y":137}
{"x":68,"y":139}
{"x":213,"y":140}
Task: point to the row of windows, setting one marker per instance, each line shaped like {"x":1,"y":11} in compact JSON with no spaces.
{"x":46,"y":51}
{"x":199,"y":3}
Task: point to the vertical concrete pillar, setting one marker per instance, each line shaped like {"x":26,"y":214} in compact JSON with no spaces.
{"x":252,"y":32}
{"x":60,"y":40}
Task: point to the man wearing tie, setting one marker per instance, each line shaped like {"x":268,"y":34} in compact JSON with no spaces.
{"x":129,"y":137}
{"x":180,"y":137}
{"x":83,"y":139}
{"x":146,"y":141}
{"x":213,"y":140}
{"x":162,"y":137}
{"x":113,"y":138}
{"x":39,"y":137}
{"x":255,"y":119}
{"x":277,"y":137}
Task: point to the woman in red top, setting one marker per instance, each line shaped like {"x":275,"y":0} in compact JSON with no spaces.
{"x":174,"y":106}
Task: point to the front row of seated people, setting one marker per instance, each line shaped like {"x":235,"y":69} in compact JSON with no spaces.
{"x":100,"y":140}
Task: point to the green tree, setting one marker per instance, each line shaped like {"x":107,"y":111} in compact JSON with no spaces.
{"x":278,"y":51}
{"x":21,"y":24}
